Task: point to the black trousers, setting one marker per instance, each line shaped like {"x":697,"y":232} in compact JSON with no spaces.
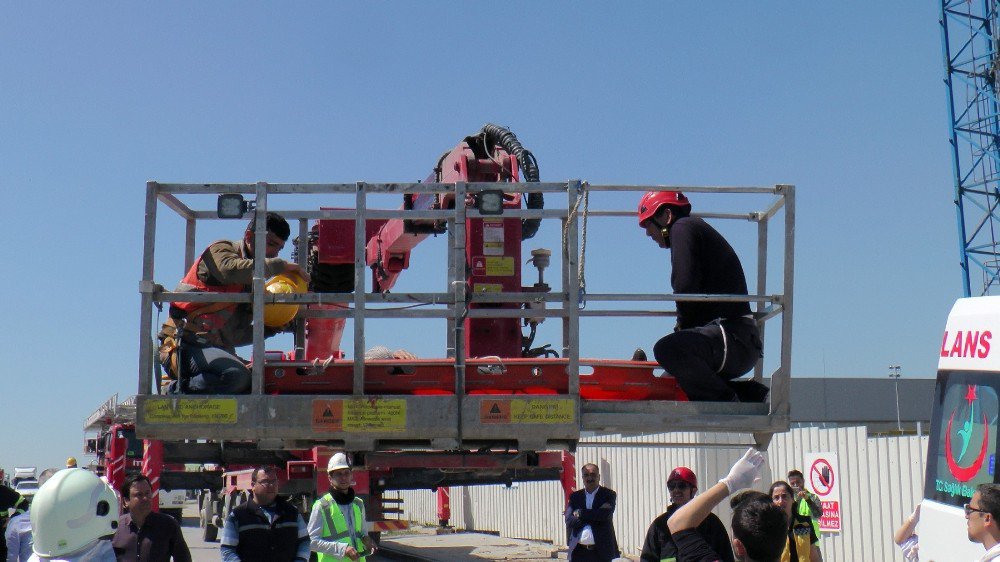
{"x":703,"y":359}
{"x":583,"y":554}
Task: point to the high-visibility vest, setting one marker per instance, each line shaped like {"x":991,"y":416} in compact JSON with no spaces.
{"x":335,"y":526}
{"x":804,"y":509}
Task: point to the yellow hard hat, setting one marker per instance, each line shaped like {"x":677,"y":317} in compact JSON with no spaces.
{"x":276,"y":315}
{"x":71,"y":462}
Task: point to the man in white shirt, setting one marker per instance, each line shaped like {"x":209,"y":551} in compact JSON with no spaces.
{"x":338,"y":527}
{"x":982,"y":515}
{"x":590,"y":532}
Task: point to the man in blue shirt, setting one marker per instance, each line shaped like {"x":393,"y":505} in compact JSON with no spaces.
{"x":267,"y":528}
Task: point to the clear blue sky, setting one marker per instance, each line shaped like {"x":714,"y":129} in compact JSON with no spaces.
{"x":844,"y":100}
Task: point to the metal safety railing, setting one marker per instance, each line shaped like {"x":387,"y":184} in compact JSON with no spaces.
{"x":453,"y":304}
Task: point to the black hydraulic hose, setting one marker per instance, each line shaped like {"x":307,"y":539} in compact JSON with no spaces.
{"x":505,"y":139}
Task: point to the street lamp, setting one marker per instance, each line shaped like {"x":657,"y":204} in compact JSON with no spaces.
{"x":894,"y":374}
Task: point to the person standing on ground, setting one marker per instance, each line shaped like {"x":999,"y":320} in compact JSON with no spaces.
{"x":266,"y":528}
{"x":144,"y":535}
{"x":10,"y":501}
{"x":713,"y":342}
{"x":338,"y":528}
{"x":758,"y":525}
{"x":906,"y":538}
{"x":198,"y":342}
{"x":18,"y":535}
{"x":801,"y":543}
{"x":73,"y":517}
{"x":982,"y":515}
{"x":806,"y":502}
{"x":682,"y":485}
{"x":590,"y":531}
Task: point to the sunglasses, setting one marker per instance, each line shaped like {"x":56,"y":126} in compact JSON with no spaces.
{"x":678,"y":485}
{"x":969,"y":510}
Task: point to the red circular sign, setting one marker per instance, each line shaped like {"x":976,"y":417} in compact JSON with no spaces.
{"x":821,"y":477}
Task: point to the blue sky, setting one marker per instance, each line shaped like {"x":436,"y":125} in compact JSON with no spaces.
{"x":843,"y":100}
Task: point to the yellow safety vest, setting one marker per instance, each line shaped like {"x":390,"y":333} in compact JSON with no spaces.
{"x":335,"y":526}
{"x":803,"y":509}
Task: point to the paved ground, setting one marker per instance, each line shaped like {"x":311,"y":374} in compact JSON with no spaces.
{"x":422,"y":544}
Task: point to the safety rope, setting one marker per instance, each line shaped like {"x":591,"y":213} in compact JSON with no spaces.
{"x":581,"y":268}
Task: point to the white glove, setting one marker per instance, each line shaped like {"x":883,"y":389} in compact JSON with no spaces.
{"x":745,"y":472}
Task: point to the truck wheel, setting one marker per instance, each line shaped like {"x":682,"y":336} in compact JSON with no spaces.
{"x":176,"y":513}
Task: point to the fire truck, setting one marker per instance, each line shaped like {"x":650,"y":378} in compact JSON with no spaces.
{"x":120,"y":454}
{"x":494,"y":407}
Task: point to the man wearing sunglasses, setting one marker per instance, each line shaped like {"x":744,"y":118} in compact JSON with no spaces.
{"x":982,"y":515}
{"x":682,"y":485}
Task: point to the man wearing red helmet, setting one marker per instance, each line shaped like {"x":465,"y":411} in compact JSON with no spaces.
{"x":713,"y":342}
{"x":682,"y":485}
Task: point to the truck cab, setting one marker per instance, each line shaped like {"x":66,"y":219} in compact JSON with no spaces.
{"x":961,"y":453}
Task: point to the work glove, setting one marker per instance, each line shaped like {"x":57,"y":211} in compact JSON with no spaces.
{"x":745,"y":472}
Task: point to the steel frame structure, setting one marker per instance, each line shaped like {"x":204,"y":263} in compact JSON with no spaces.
{"x":446,"y":422}
{"x":969,"y":40}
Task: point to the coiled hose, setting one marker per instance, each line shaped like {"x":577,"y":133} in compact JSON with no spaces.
{"x":502,"y":137}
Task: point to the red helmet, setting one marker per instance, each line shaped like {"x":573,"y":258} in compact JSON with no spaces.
{"x":683,"y":474}
{"x":653,"y":200}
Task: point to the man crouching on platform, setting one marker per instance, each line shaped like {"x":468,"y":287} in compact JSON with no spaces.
{"x":198,"y":342}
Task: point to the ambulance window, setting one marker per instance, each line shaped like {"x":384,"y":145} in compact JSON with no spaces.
{"x":963,"y":439}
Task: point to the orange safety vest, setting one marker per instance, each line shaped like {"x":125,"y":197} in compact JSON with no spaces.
{"x":205,"y":317}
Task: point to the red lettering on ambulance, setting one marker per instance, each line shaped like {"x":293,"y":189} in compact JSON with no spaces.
{"x":984,"y":344}
{"x":971,"y":343}
{"x":944,"y":343}
{"x":956,"y":346}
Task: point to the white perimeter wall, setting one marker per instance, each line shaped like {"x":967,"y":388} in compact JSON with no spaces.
{"x":881,"y":481}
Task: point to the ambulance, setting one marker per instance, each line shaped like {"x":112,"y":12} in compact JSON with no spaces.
{"x":961,"y":453}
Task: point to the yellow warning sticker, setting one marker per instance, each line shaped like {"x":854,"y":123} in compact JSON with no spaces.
{"x":527,"y":411}
{"x":191,"y":410}
{"x":542,"y":411}
{"x":359,"y":414}
{"x":487,"y":288}
{"x":500,"y":266}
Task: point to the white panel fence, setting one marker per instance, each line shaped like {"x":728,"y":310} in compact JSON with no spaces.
{"x":880,"y":482}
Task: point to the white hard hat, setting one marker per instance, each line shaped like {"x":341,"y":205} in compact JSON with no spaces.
{"x":70,"y":511}
{"x":337,"y":462}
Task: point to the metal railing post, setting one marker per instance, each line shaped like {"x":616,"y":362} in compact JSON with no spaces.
{"x":762,"y":225}
{"x":781,"y":389}
{"x":259,"y":255}
{"x":461,"y":306}
{"x":302,"y":251}
{"x":571,"y":256}
{"x":190,"y":229}
{"x":146,"y":288}
{"x":360,"y":207}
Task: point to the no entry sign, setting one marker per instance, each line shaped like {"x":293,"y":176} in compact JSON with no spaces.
{"x":823,"y":479}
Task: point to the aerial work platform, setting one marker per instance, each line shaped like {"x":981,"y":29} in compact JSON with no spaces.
{"x":455,"y":402}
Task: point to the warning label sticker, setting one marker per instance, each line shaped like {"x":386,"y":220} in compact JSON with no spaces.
{"x":542,"y":411}
{"x":527,"y":411}
{"x":191,"y":411}
{"x":487,"y":288}
{"x":359,"y":414}
{"x":492,"y":238}
{"x":478,"y":265}
{"x":494,"y":411}
{"x":500,"y":266}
